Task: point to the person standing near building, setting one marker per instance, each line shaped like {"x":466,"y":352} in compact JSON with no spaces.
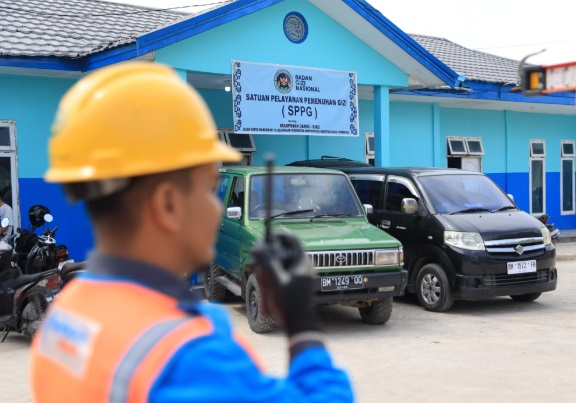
{"x":140,"y":148}
{"x":6,"y":212}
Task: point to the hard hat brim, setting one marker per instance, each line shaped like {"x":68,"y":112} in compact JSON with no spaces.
{"x":220,"y":152}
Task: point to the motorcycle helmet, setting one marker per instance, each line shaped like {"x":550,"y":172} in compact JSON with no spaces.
{"x":36,"y":215}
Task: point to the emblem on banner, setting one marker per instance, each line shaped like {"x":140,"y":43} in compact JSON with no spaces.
{"x":283,"y":81}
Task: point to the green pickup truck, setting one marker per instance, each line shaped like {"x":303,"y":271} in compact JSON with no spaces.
{"x":356,"y":263}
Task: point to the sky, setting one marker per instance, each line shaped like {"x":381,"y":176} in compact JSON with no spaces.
{"x":508,"y":28}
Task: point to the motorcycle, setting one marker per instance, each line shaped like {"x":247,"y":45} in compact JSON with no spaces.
{"x":554,"y":233}
{"x":23,"y":298}
{"x":35,"y":253}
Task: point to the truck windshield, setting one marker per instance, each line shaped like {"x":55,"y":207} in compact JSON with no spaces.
{"x":318,"y":194}
{"x":454,"y":194}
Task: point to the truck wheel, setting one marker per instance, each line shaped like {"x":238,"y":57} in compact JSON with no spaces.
{"x":213,"y":290}
{"x":433,"y":288}
{"x":378,"y":312}
{"x":258,"y":322}
{"x":533,"y":296}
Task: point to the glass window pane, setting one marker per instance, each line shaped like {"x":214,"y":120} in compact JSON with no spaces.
{"x":241,"y":141}
{"x":369,"y":192}
{"x":475,"y":146}
{"x":222,"y":187}
{"x":397,"y":192}
{"x":457,"y":146}
{"x":567,"y":185}
{"x":537,"y":186}
{"x":371,"y":144}
{"x":538,"y":148}
{"x":5,"y":136}
{"x":567,"y":149}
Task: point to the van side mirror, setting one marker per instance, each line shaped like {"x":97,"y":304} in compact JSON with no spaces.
{"x":368,"y":209}
{"x":511,"y":197}
{"x":409,"y":206}
{"x":234,"y":212}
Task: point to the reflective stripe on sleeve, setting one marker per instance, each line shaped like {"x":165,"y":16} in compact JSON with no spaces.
{"x":130,"y":363}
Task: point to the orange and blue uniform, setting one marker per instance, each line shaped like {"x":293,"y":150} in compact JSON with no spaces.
{"x":130,"y":332}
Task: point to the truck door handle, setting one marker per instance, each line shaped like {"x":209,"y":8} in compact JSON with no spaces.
{"x":222,"y":229}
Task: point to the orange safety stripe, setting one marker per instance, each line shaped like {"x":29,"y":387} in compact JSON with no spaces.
{"x":250,"y":350}
{"x":123,"y":311}
{"x":153,"y":363}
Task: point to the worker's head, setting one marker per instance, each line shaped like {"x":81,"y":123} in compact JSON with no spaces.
{"x":140,"y":147}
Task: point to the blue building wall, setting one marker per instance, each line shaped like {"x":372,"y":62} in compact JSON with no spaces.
{"x":31,"y":102}
{"x":259,"y":37}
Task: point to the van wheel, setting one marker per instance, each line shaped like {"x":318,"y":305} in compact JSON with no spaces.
{"x":258,"y":322}
{"x":533,"y":296}
{"x":213,"y":290}
{"x":378,"y":312}
{"x":433,"y":288}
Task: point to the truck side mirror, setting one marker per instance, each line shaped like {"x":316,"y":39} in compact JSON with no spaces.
{"x":368,"y":209}
{"x":234,"y":212}
{"x":511,"y":197}
{"x":409,"y":206}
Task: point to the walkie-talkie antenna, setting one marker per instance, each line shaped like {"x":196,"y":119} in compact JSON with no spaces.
{"x":268,"y":196}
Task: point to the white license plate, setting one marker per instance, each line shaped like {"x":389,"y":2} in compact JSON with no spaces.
{"x":527,"y":266}
{"x":334,"y":283}
{"x":61,"y":264}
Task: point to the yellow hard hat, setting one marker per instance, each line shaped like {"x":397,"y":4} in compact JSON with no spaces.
{"x":128,"y":120}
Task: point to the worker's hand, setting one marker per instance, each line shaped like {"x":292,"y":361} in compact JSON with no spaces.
{"x":285,"y":277}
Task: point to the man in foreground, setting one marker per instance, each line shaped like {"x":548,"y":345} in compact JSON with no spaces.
{"x":140,"y":148}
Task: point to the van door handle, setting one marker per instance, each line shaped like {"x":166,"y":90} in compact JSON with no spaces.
{"x":385,"y":224}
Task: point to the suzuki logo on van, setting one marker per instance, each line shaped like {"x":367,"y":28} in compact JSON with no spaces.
{"x":519,"y":249}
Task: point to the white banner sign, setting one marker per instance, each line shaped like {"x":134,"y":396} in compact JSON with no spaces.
{"x":275,"y":99}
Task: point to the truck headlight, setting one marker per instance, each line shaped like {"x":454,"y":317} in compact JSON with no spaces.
{"x":464,"y":240}
{"x":546,"y":235}
{"x":391,"y":257}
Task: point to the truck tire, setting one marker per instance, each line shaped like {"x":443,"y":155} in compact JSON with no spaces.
{"x":213,"y":290}
{"x":378,"y":312}
{"x":433,"y":288}
{"x":533,"y":296}
{"x":258,"y":322}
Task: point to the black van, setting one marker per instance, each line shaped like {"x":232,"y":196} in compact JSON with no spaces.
{"x":463,"y":237}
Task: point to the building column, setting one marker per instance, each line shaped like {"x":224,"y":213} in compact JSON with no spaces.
{"x":381,"y":126}
{"x":438,"y":146}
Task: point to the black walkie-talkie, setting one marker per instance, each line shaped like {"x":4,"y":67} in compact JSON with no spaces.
{"x":268,"y":197}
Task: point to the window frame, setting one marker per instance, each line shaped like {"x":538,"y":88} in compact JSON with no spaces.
{"x":537,"y":141}
{"x":452,"y":153}
{"x":474,"y":153}
{"x":567,"y":157}
{"x":228,"y":132}
{"x":537,"y":157}
{"x":11,"y":125}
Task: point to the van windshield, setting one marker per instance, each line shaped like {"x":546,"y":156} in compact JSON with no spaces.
{"x":455,"y":194}
{"x":313,"y":194}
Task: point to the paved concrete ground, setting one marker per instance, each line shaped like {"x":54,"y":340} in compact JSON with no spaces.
{"x":497,"y":351}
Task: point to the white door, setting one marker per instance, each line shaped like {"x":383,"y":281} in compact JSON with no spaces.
{"x":9,"y":168}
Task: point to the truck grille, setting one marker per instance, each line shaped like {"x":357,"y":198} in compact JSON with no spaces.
{"x":495,"y":280}
{"x":516,"y":249}
{"x":345,"y":258}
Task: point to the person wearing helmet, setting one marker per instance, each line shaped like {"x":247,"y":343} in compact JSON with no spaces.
{"x":140,"y":148}
{"x":6,"y":212}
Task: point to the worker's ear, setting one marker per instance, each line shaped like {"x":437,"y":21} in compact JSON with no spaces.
{"x":166,"y":207}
